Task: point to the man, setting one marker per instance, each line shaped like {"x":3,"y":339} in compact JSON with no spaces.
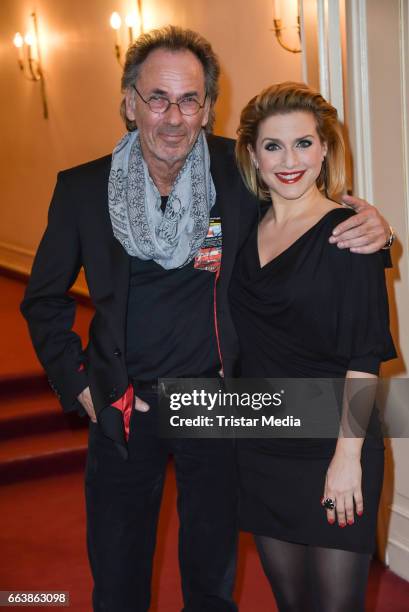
{"x":152,"y":265}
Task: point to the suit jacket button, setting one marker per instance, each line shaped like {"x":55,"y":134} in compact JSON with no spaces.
{"x":117,"y":353}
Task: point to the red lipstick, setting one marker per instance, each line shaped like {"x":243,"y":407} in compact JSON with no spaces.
{"x":289,"y":178}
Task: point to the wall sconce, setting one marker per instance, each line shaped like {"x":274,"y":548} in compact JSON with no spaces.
{"x":29,"y":59}
{"x":279,"y":28}
{"x":133,"y":21}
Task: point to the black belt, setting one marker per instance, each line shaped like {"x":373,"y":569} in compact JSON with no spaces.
{"x":152,"y":385}
{"x":145,"y":385}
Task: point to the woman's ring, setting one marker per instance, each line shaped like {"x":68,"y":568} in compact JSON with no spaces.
{"x":328,"y":503}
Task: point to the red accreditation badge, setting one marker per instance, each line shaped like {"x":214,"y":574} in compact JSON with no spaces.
{"x":210,"y":254}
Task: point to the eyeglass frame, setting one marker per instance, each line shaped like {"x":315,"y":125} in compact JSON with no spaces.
{"x":200,"y":106}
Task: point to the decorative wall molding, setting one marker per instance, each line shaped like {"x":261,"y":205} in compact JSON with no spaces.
{"x":309,"y":41}
{"x":322,"y":23}
{"x":398,"y":557}
{"x":400,"y":510}
{"x":19,"y":260}
{"x":336,"y":77}
{"x":16,"y":259}
{"x":330,"y":53}
{"x":358,"y":87}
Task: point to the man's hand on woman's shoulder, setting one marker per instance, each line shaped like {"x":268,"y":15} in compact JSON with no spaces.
{"x":366,"y":232}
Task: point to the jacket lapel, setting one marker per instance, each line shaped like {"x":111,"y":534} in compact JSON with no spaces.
{"x":112,"y":263}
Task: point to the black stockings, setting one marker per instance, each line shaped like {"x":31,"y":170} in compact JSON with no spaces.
{"x":314,"y":579}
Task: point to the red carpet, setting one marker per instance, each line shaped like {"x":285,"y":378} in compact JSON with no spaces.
{"x":42,"y":534}
{"x":43,"y":546}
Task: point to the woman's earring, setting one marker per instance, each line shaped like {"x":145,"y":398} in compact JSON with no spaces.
{"x":255,"y":162}
{"x":256,"y":165}
{"x":257,"y":188}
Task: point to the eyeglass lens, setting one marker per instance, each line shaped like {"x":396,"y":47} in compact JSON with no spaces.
{"x":187,"y":106}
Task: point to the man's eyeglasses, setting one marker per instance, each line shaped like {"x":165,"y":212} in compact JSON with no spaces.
{"x":160,"y":104}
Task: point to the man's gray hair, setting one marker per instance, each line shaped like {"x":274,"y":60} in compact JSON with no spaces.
{"x":172,"y":38}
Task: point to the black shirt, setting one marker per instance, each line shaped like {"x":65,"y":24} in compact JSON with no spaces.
{"x":313,"y":311}
{"x":170,"y":317}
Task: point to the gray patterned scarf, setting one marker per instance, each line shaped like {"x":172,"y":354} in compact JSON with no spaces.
{"x":172,"y":238}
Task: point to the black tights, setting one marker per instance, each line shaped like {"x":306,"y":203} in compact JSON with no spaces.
{"x":314,"y":579}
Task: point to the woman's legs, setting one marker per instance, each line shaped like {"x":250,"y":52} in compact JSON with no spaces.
{"x":338,"y":579}
{"x":285,"y":565}
{"x":314,"y":579}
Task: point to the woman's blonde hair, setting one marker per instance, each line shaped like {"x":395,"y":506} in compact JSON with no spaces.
{"x":286,"y":98}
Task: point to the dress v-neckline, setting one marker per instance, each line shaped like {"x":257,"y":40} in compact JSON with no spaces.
{"x":293,"y":244}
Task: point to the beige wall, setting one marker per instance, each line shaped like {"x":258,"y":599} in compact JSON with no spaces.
{"x":375,"y":35}
{"x":380,"y":144}
{"x":389,"y":117}
{"x":82,"y":80}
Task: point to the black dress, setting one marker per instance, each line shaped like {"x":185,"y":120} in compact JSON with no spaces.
{"x":314,"y":311}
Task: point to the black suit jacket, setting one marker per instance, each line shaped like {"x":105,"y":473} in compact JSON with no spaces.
{"x":79,"y":233}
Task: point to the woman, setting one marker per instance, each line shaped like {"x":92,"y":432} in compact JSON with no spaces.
{"x":304,"y":308}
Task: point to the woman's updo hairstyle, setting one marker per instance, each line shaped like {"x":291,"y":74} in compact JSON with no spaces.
{"x":286,"y":98}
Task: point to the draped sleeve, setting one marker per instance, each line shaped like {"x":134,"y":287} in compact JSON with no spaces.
{"x":363,"y":335}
